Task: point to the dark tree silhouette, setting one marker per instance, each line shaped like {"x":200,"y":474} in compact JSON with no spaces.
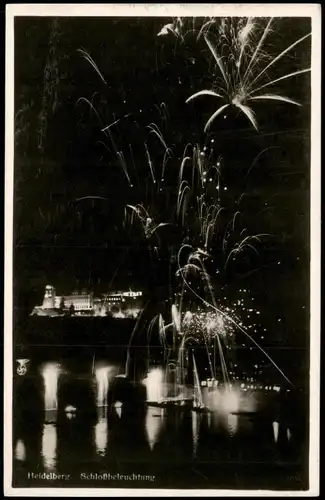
{"x":71,"y":310}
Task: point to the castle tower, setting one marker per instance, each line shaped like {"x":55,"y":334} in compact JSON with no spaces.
{"x":49,"y":297}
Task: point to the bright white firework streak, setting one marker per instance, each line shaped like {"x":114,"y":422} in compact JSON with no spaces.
{"x":198,"y":399}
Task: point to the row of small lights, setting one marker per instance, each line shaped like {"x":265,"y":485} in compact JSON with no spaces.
{"x":267,"y":387}
{"x":210,"y":383}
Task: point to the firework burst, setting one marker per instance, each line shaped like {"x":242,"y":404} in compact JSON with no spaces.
{"x":242,"y":76}
{"x":195,"y":206}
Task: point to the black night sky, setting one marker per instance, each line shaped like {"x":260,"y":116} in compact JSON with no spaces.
{"x":67,"y":237}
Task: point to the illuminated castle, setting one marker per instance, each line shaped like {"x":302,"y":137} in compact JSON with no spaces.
{"x":116,"y":304}
{"x":49,"y":298}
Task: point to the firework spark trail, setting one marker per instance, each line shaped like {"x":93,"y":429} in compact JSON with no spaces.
{"x":175,"y":28}
{"x":218,"y":61}
{"x":154,"y":129}
{"x":205,"y":27}
{"x":207,"y":212}
{"x":179,"y":27}
{"x":289,"y":75}
{"x":243,"y":244}
{"x":133,"y":334}
{"x":198,"y":162}
{"x":123,"y":164}
{"x":276,"y":59}
{"x":106,"y":131}
{"x":90,"y":197}
{"x":105,"y":146}
{"x":163,"y":111}
{"x":197,"y":385}
{"x":115,"y":122}
{"x":254,"y":162}
{"x":223,"y":361}
{"x":214,"y":116}
{"x":234,"y":220}
{"x":225,"y":315}
{"x":244,"y":38}
{"x":181,"y":170}
{"x":258,"y":48}
{"x":167,"y":156}
{"x":92,"y":107}
{"x":162,"y":335}
{"x":88,"y":58}
{"x":148,"y":224}
{"x":178,"y":325}
{"x":176,"y":318}
{"x":150,"y":163}
{"x":182,"y":193}
{"x":212,"y":295}
{"x":189,"y":267}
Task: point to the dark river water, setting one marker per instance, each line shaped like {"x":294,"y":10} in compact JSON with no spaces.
{"x":252,"y":437}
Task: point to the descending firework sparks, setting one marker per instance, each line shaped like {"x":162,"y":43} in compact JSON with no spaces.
{"x":243,"y":244}
{"x":176,"y":28}
{"x":92,"y":62}
{"x":154,"y":129}
{"x":181,"y":27}
{"x":148,"y":224}
{"x":242,"y":64}
{"x":224,"y":314}
{"x":152,"y":170}
{"x":200,"y":192}
{"x":198,"y":205}
{"x":198,"y":208}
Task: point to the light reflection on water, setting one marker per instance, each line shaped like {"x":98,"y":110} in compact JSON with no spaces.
{"x":49,"y":447}
{"x":20,"y":450}
{"x":104,"y":375}
{"x":50,"y":374}
{"x":227,"y":419}
{"x":158,"y":422}
{"x":275,"y":426}
{"x":155,"y":385}
{"x":230,"y":400}
{"x":154,"y":424}
{"x":101,"y":436}
{"x":196,"y":422}
{"x":232,"y":421}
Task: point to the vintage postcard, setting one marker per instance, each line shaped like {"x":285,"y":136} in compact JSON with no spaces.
{"x":162,"y":250}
